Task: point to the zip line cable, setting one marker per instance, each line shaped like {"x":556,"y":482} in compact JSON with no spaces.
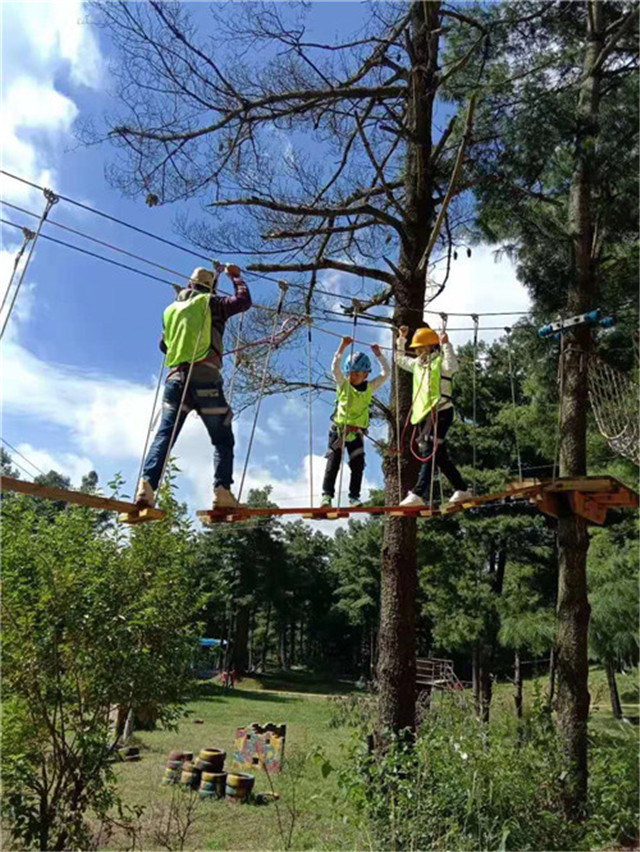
{"x":195,"y":253}
{"x":22,"y":456}
{"x":27,"y":236}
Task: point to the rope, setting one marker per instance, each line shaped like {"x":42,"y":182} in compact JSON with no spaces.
{"x":150,"y":427}
{"x":556,"y":454}
{"x":236,"y":360}
{"x":188,"y":378}
{"x":51,"y":199}
{"x":356,"y":306}
{"x":513,"y":402}
{"x":310,"y":375}
{"x":26,"y":236}
{"x":283,"y":290}
{"x":22,"y":456}
{"x":613,"y":396}
{"x":475,"y":320}
{"x":396,"y":374}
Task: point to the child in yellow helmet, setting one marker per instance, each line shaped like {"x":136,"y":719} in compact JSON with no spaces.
{"x":432,"y":408}
{"x":351,"y":418}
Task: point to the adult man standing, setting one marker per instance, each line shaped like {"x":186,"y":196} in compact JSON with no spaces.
{"x":193,"y":327}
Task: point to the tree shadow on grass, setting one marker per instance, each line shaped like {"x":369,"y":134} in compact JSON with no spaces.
{"x":213,"y":692}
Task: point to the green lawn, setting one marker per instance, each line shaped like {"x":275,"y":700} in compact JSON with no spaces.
{"x":224,"y":825}
{"x":301,"y":701}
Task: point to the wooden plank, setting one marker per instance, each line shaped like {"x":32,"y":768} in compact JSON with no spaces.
{"x":141,"y":516}
{"x":584,"y":484}
{"x":581,"y":504}
{"x":93,"y":501}
{"x":549,"y":504}
{"x":522,"y":484}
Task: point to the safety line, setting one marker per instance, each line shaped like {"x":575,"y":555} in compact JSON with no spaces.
{"x":22,"y":456}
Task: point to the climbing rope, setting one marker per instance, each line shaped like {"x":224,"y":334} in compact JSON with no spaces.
{"x":51,"y":199}
{"x":27,"y":235}
{"x":310,"y":414}
{"x":474,"y":385}
{"x":152,"y":418}
{"x":283,"y":290}
{"x":560,"y":380}
{"x":398,"y":450}
{"x":513,"y":402}
{"x":236,"y":360}
{"x":356,"y":306}
{"x":614,"y":400}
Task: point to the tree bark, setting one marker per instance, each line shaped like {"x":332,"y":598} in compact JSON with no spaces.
{"x":616,"y":706}
{"x":517,"y":680}
{"x":399,"y":582}
{"x":240,"y":647}
{"x":573,"y":541}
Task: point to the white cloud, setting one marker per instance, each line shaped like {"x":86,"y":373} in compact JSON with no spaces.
{"x":68,"y":464}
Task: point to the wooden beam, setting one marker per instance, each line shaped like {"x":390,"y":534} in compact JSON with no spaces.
{"x":48,"y":492}
{"x":582,"y":504}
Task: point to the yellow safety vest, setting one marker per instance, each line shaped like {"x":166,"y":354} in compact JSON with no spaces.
{"x":187,"y":329}
{"x":352,"y":406}
{"x":426,"y":388}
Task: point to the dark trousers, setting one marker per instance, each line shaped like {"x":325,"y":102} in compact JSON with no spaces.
{"x":441,"y":456}
{"x":207,"y":398}
{"x":355,"y":450}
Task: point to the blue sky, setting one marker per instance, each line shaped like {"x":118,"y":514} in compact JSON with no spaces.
{"x":80,"y":358}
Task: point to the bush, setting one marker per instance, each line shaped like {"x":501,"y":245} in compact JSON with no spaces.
{"x":466,"y":785}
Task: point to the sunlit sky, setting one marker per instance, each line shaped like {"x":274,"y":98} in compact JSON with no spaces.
{"x":80,"y":357}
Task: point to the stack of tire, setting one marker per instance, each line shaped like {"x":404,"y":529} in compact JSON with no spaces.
{"x":210,"y":763}
{"x":239,"y":786}
{"x":173,"y":769}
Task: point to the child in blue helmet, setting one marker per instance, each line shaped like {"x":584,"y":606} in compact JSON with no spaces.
{"x":351,"y":418}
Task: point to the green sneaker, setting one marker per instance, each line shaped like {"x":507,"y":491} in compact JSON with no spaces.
{"x":355,"y":502}
{"x":326,"y":502}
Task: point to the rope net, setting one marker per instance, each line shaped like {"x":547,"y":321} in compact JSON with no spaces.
{"x":614,"y":399}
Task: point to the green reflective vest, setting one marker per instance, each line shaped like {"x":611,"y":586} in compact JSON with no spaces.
{"x":352,"y":406}
{"x":187,"y":329}
{"x":426,"y":388}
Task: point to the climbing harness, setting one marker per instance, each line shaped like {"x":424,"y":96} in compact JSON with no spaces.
{"x":51,"y":199}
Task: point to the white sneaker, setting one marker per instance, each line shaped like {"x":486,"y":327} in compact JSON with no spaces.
{"x":224,"y":499}
{"x":460,"y":496}
{"x":413,"y":500}
{"x":145,"y":498}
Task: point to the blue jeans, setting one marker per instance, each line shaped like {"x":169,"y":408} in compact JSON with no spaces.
{"x":207,"y":398}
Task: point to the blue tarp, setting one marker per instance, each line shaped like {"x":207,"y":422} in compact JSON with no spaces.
{"x":212,"y":643}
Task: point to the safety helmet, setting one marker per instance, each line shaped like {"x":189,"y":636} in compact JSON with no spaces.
{"x":203,"y":279}
{"x":359,"y":361}
{"x":424,"y":337}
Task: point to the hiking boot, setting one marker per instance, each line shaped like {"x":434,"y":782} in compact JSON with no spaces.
{"x":224,"y":499}
{"x":326,"y":502}
{"x":354,"y":502}
{"x":461,"y":496}
{"x":413,"y":500}
{"x":145,"y":498}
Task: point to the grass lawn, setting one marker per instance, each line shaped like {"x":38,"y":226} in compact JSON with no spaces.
{"x":222,"y":824}
{"x":301,"y":701}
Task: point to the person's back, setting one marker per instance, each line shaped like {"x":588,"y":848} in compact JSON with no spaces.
{"x":193,"y":329}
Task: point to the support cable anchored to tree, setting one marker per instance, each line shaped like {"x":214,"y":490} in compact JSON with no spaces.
{"x":51,"y":198}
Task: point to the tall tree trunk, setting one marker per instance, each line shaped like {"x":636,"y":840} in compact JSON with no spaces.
{"x":284,"y":663}
{"x":475,"y":678}
{"x":616,"y":706}
{"x":573,"y":541}
{"x":517,"y":680}
{"x":399,"y":582}
{"x":240,"y":645}
{"x":265,"y":641}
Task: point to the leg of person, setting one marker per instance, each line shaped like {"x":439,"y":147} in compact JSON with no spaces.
{"x":333,"y":457}
{"x":355,"y":448}
{"x":159,"y":449}
{"x":210,"y":403}
{"x":443,"y":461}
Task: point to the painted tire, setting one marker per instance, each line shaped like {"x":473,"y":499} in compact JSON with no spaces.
{"x":215,"y":757}
{"x":176,"y":755}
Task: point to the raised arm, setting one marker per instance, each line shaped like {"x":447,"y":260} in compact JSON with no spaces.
{"x":336,"y":370}
{"x":449,"y":360}
{"x":403,"y":361}
{"x":229,"y":306}
{"x":385,"y":372}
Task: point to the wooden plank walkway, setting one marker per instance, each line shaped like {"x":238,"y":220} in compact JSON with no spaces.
{"x":129,"y":513}
{"x":588,"y":496}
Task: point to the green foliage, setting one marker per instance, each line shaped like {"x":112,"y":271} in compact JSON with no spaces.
{"x":466,"y":785}
{"x":90,"y":620}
